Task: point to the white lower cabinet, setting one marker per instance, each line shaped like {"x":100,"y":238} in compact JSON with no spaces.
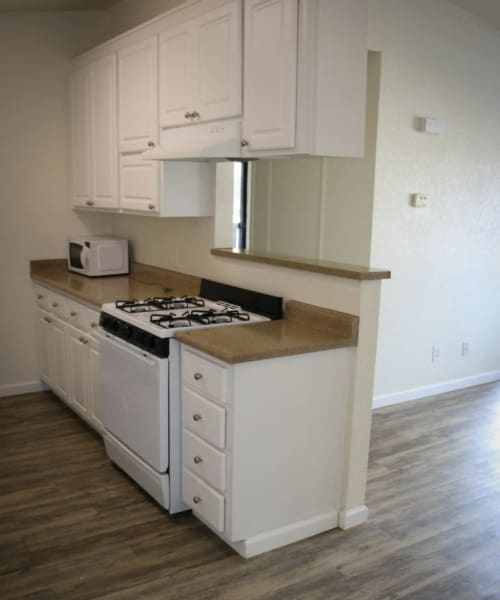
{"x":69,"y":352}
{"x":263,"y":445}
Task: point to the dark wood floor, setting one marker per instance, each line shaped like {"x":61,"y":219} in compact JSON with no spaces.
{"x":73,"y":527}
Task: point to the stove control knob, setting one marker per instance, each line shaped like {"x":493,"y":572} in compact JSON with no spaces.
{"x":126,"y":332}
{"x":198,"y":376}
{"x":197,"y":417}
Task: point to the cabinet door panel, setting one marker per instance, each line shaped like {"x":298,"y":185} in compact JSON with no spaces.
{"x":175,"y":76}
{"x":94,"y":402}
{"x":103,"y":128}
{"x":77,"y":351}
{"x":58,"y":359}
{"x":139,"y":184}
{"x":219,"y":66}
{"x":81,"y":136}
{"x":43,"y":339}
{"x":270,"y":73}
{"x":138,"y":96}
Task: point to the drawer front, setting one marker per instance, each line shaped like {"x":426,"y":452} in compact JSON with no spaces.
{"x":57,"y":305}
{"x":206,"y":462}
{"x":92,"y":320}
{"x":42,"y":297}
{"x":204,"y":418}
{"x":204,"y":500}
{"x":77,"y":314}
{"x":204,"y":376}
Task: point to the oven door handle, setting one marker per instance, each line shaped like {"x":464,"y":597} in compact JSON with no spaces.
{"x":108,"y":338}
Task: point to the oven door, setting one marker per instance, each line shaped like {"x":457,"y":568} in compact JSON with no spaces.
{"x":134,"y":396}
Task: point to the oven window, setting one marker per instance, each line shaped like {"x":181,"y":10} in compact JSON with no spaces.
{"x":75,"y":253}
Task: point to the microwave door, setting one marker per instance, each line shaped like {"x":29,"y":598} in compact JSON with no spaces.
{"x":76,"y":256}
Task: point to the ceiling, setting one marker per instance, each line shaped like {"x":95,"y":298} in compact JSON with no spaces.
{"x":53,"y":5}
{"x":487,"y":10}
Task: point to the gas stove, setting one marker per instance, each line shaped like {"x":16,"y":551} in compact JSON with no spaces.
{"x":149,"y":323}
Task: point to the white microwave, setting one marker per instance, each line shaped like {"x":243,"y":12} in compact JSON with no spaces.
{"x":98,"y":256}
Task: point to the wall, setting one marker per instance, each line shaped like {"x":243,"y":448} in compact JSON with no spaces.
{"x":35,"y":218}
{"x":436,"y":61}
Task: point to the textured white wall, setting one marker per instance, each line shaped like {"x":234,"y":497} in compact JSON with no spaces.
{"x":35,"y":213}
{"x":445,"y":259}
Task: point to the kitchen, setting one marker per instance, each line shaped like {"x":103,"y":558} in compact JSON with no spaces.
{"x":190,"y":238}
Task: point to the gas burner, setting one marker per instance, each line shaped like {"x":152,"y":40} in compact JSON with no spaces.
{"x":197,"y":317}
{"x":159,"y":303}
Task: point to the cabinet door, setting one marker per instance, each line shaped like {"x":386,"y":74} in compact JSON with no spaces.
{"x":176,"y":76}
{"x":94,"y":402}
{"x":218,"y":65}
{"x":58,"y":359}
{"x":78,"y":361}
{"x":139,"y":184}
{"x":81,"y":137}
{"x":43,"y":341}
{"x":104,"y":155}
{"x":138,"y":96}
{"x":270,"y":74}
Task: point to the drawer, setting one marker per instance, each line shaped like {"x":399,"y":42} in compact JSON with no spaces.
{"x":204,"y":418}
{"x":206,"y":462}
{"x":204,"y":376}
{"x":92,"y":320}
{"x":204,"y":500}
{"x":57,"y":305}
{"x":77,"y":314}
{"x":42,"y":297}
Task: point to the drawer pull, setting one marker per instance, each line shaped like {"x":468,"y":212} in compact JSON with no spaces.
{"x":40,"y":297}
{"x":55,"y":304}
{"x":47,"y":319}
{"x":198,"y":376}
{"x":196,"y":417}
{"x":93,"y":325}
{"x":82,"y":340}
{"x":73,"y":313}
{"x":196,"y":499}
{"x":197,"y":460}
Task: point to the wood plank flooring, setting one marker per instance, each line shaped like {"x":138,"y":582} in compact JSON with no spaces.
{"x":74,"y":527}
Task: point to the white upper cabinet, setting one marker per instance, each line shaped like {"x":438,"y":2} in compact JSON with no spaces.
{"x":80,"y":133}
{"x":93,"y":104}
{"x":305,"y":77}
{"x":200,"y":70}
{"x":139,"y":184}
{"x":138,"y":96}
{"x":270,"y":74}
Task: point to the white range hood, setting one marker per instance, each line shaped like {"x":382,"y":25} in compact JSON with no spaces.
{"x":205,"y":141}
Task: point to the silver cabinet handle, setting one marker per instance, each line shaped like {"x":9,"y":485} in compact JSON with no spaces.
{"x":244,"y":142}
{"x":40,"y":297}
{"x":197,"y":417}
{"x":196,"y":499}
{"x":90,"y":203}
{"x":47,"y":319}
{"x":197,"y":460}
{"x":73,"y":313}
{"x":93,"y":325}
{"x":151,"y":144}
{"x":151,"y":206}
{"x":55,"y":304}
{"x":198,"y":376}
{"x":82,"y":340}
{"x":188,"y":115}
{"x":195,"y":114}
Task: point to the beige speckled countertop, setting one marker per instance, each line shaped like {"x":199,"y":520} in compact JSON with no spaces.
{"x":305,"y":328}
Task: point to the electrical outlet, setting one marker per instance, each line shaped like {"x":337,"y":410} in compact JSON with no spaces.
{"x":435,"y":353}
{"x":465,"y":348}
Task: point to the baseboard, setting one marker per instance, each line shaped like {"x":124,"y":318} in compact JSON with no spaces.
{"x":27,"y":387}
{"x":436,"y":388}
{"x":353,"y":517}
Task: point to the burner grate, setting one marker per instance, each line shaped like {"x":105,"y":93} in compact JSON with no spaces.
{"x":198,"y":317}
{"x":159,"y":303}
